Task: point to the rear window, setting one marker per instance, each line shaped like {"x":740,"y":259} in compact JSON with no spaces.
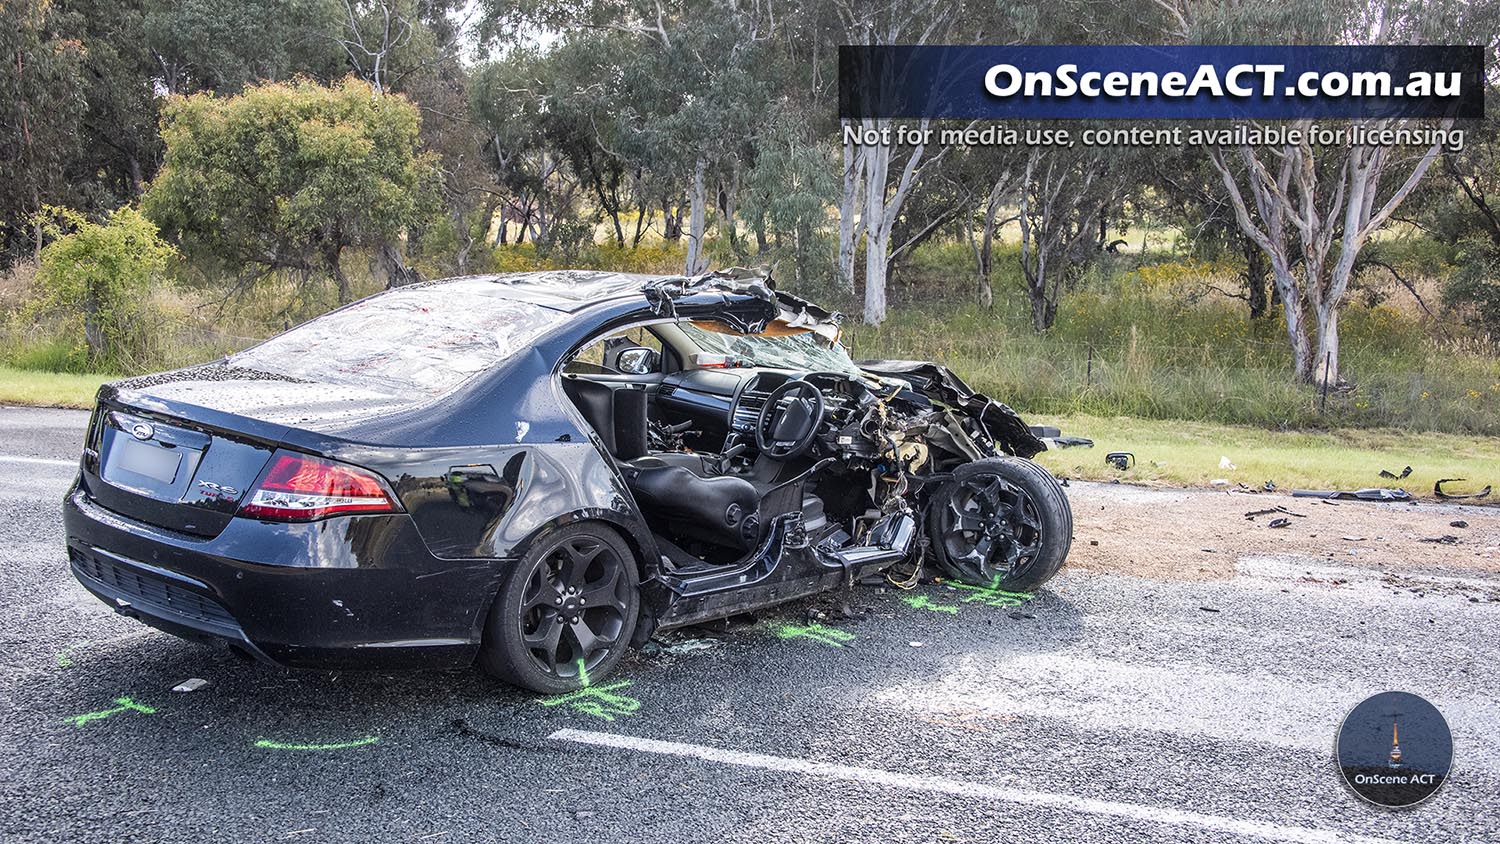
{"x":417,"y":341}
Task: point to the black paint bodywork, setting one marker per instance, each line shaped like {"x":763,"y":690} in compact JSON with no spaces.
{"x":480,"y":474}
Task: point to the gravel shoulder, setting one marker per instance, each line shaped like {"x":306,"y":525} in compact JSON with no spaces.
{"x":1195,"y":534}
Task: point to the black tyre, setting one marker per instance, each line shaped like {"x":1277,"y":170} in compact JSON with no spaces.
{"x":565,"y":613}
{"x":1001,"y":521}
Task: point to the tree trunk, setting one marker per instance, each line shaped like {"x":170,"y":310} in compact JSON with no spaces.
{"x":331,"y":257}
{"x":1326,"y":364}
{"x":1293,"y":307}
{"x":727,"y":200}
{"x":671,"y":222}
{"x":397,"y":273}
{"x":1043,"y":313}
{"x":987,"y":244}
{"x":696,"y":262}
{"x":877,"y":233}
{"x":849,"y":231}
{"x":642,"y":220}
{"x":95,"y":342}
{"x":137,"y":181}
{"x":613,"y":210}
{"x":1256,"y":270}
{"x":876,"y":244}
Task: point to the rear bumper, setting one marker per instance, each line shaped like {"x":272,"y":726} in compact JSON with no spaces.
{"x":347,"y":592}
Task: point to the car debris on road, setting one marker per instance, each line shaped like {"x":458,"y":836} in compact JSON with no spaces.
{"x":1369,"y":494}
{"x":1437,"y":490}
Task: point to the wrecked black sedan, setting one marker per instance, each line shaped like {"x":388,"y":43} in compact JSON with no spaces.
{"x":536,"y":471}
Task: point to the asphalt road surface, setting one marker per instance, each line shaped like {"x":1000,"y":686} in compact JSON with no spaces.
{"x":1107,"y":708}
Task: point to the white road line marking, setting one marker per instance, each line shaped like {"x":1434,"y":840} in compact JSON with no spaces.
{"x":72,"y":464}
{"x":917,"y":782}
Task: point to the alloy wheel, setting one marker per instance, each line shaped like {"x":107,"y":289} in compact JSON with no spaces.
{"x":992,"y":526}
{"x":573,"y":607}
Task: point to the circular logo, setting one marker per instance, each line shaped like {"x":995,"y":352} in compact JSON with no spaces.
{"x":142,"y":431}
{"x":1394,"y":749}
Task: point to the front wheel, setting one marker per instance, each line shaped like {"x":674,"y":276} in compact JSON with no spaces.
{"x":1003,"y":522}
{"x":565,"y":614}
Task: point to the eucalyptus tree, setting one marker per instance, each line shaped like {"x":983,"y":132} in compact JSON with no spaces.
{"x":1063,"y":193}
{"x":42,"y":75}
{"x":873,"y":194}
{"x":507,"y":99}
{"x":224,"y":45}
{"x":1311,"y":208}
{"x":677,"y":89}
{"x":787,"y":195}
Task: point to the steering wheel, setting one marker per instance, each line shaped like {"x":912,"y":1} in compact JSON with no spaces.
{"x":792,"y":429}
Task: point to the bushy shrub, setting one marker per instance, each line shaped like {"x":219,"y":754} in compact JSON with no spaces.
{"x":96,"y":277}
{"x":1474,"y":288}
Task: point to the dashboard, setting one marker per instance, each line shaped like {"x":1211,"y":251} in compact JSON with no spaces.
{"x":732,"y":399}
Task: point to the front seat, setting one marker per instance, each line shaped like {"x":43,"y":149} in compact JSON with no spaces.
{"x":718,"y":510}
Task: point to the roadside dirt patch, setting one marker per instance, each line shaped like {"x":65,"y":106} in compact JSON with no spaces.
{"x":1194,"y":534}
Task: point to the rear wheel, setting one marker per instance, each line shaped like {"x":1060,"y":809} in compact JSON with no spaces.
{"x":1002,"y":522}
{"x":565,"y":614}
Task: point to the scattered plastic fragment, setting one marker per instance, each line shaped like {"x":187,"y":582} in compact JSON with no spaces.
{"x":1121,"y":460}
{"x":1445,"y":539}
{"x":192,"y":684}
{"x":1458,"y":523}
{"x":1208,"y":609}
{"x":1280,"y":523}
{"x":1219,"y":482}
{"x":683,"y":646}
{"x":1250,"y":516}
{"x":1395,"y":477}
{"x":1437,"y":489}
{"x":1225,"y":463}
{"x":1370,"y":494}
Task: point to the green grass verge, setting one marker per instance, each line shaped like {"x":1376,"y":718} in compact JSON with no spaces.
{"x":1188,"y":453}
{"x":49,"y":389}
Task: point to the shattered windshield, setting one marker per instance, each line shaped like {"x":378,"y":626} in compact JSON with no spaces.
{"x":801,"y":351}
{"x":420,"y":341}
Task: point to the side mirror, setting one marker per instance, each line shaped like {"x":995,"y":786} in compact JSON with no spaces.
{"x":637,"y":360}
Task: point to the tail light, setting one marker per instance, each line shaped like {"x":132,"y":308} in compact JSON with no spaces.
{"x":300,"y":488}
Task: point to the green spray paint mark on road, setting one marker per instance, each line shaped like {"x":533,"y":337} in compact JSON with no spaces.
{"x":992,"y":595}
{"x":598,"y":701}
{"x":343,"y":745}
{"x":922,"y":602}
{"x":64,"y":660}
{"x":829,"y":636}
{"x":124,"y":704}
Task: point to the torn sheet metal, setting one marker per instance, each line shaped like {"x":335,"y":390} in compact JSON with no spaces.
{"x":938,"y":382}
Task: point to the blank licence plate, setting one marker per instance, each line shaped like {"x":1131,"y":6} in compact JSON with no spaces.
{"x":159,"y":464}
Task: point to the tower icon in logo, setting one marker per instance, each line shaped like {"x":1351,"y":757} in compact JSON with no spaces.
{"x":1371,"y":756}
